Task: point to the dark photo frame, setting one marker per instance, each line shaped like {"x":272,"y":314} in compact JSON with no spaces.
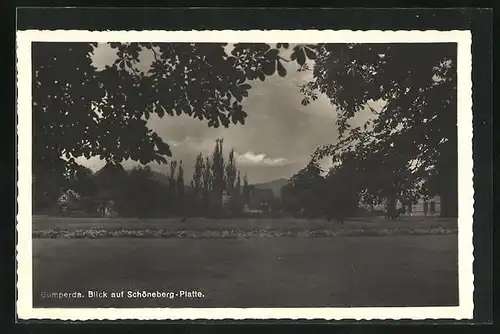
{"x":477,"y":21}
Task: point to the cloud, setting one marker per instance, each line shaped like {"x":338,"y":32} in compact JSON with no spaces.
{"x":251,"y":158}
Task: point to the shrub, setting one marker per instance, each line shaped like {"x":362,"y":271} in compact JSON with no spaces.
{"x":78,"y":214}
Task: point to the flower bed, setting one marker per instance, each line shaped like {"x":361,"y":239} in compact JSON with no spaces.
{"x":93,"y":233}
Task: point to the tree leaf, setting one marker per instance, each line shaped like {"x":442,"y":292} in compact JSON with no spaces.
{"x":310,"y":53}
{"x":160,"y":111}
{"x":281,"y":69}
{"x":237,"y":94}
{"x":245,"y":86}
{"x":163,"y":148}
{"x":187,"y":109}
{"x":301,"y":58}
{"x":269,"y":67}
{"x":261,"y":75}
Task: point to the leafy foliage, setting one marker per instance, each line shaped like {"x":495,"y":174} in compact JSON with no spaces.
{"x":408,"y":149}
{"x":207,"y":180}
{"x":217,"y":175}
{"x":246,"y":189}
{"x":341,"y":194}
{"x":103,"y":113}
{"x":196,"y":183}
{"x":413,"y":136}
{"x":79,"y":110}
{"x":141,"y":195}
{"x":310,"y":194}
{"x":218,"y":170}
{"x":308,"y":186}
{"x":180,"y":181}
{"x":231,"y":173}
{"x":306,"y":191}
{"x":172,"y":179}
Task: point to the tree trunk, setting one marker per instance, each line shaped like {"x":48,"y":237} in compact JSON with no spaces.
{"x":449,"y":197}
{"x":448,"y":183}
{"x":391,"y":203}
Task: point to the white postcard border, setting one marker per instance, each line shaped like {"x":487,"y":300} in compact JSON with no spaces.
{"x":24,"y":301}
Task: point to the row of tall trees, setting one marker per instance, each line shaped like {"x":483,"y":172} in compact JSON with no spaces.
{"x":143,"y":192}
{"x":214,"y":176}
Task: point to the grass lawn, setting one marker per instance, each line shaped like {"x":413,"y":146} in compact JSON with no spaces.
{"x":253,"y":272}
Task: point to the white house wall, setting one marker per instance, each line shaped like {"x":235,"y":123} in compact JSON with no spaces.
{"x":417,"y":209}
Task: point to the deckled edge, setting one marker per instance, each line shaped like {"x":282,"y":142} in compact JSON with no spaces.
{"x":232,"y":36}
{"x":29,"y":313}
{"x":23,"y":215}
{"x":466,"y":197}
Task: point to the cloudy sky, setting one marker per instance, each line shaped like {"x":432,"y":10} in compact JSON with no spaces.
{"x":277,"y":140}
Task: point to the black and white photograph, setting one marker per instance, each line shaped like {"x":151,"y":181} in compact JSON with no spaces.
{"x":245,"y":175}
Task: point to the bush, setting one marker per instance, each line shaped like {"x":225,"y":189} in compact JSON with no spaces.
{"x":362,"y":212}
{"x":236,"y":205}
{"x":78,"y":214}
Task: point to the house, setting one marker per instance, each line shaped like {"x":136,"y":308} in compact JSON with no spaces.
{"x":263,"y":199}
{"x":429,"y":207}
{"x":105,"y":203}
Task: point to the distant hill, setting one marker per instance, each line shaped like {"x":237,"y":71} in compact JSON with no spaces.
{"x":163,"y":179}
{"x":275,"y":186}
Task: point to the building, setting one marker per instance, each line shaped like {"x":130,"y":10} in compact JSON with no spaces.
{"x":106,"y":206}
{"x":261,"y":199}
{"x":430,"y":207}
